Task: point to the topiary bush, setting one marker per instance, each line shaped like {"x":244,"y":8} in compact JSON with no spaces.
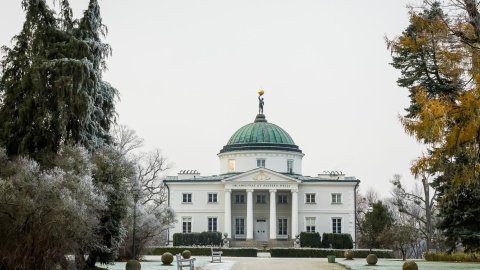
{"x":348,"y":254}
{"x":186,"y":254}
{"x":167,"y":258}
{"x":133,"y":265}
{"x":337,"y":240}
{"x":310,"y":239}
{"x":372,"y":259}
{"x":410,"y":265}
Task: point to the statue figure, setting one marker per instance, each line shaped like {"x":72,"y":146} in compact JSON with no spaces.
{"x":260,"y":105}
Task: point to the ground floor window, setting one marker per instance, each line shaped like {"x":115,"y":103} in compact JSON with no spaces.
{"x":212,"y":224}
{"x":336,"y":225}
{"x":310,"y":224}
{"x":187,"y":224}
{"x":282,"y":226}
{"x":239,"y":226}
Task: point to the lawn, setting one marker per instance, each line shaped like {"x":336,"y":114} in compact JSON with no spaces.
{"x":390,"y":264}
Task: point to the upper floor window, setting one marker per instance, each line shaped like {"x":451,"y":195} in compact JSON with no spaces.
{"x":187,"y":224}
{"x":212,"y":197}
{"x":260,"y":163}
{"x":231,"y":165}
{"x":336,"y":198}
{"x":212,"y":224}
{"x":239,"y":198}
{"x":261,"y":198}
{"x":282,"y":199}
{"x":310,"y":197}
{"x":187,"y":197}
{"x":310,"y":224}
{"x":290,"y":166}
{"x":336,"y":225}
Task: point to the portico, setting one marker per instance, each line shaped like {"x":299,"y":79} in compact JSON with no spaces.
{"x":259,"y":212}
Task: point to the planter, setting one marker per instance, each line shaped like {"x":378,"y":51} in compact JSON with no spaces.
{"x":331,"y":258}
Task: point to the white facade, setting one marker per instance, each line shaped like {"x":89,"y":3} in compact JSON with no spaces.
{"x":262,"y":200}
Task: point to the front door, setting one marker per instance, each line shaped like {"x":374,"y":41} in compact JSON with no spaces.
{"x":260,"y":233}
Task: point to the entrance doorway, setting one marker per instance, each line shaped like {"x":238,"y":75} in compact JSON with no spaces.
{"x":260,"y":232}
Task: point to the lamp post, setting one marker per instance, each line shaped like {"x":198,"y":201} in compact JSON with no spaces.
{"x":135,"y":192}
{"x":369,"y":210}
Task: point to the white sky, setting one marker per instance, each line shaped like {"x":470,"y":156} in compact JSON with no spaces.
{"x":189,"y":70}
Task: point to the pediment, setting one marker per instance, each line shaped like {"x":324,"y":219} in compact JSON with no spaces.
{"x":261,"y":178}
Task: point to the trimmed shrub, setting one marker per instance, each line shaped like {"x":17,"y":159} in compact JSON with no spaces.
{"x":410,"y":265}
{"x":348,"y":254}
{"x":197,"y":239}
{"x":206,"y":251}
{"x":186,"y":254}
{"x":310,"y":239}
{"x":372,"y":259}
{"x":323,"y":253}
{"x":167,"y":258}
{"x":337,"y":240}
{"x":456,"y":257}
{"x":133,"y":265}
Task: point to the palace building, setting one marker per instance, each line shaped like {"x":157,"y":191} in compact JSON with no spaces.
{"x":260,"y":193}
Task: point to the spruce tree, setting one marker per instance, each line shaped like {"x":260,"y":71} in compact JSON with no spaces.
{"x":52,"y":92}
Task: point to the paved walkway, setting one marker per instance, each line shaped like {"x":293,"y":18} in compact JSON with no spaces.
{"x":241,"y":263}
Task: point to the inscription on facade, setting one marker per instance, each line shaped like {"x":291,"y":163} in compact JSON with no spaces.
{"x":261,"y":185}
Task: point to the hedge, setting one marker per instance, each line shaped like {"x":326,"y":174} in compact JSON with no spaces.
{"x":337,"y":240}
{"x":456,"y":257}
{"x":323,"y":253}
{"x":310,"y":239}
{"x":198,"y":239}
{"x":206,"y":251}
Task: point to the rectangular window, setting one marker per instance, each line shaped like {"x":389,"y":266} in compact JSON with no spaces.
{"x":231,"y":165}
{"x":239,"y":226}
{"x":239,"y":198}
{"x":212,"y":224}
{"x":290,"y":166}
{"x":212,"y":197}
{"x":310,"y":224}
{"x":310,"y":197}
{"x":336,"y":198}
{"x":187,"y":224}
{"x":282,"y":226}
{"x":261,"y":198}
{"x":336,"y":225}
{"x":260,"y":163}
{"x":187,"y":197}
{"x":282,"y":199}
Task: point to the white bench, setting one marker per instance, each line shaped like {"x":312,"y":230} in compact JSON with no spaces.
{"x":282,"y":236}
{"x":216,"y":255}
{"x":185,"y":263}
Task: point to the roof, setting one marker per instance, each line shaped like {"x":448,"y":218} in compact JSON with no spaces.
{"x":260,"y":135}
{"x":219,"y":178}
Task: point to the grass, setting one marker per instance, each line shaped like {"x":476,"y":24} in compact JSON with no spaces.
{"x":391,"y":264}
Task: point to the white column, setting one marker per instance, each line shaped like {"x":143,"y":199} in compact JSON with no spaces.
{"x":249,"y":214}
{"x":294,"y":213}
{"x":273,"y":214}
{"x":228,"y":212}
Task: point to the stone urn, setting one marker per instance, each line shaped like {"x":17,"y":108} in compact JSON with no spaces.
{"x":264,"y":246}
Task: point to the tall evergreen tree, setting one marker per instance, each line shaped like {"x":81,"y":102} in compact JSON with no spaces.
{"x":52,"y":92}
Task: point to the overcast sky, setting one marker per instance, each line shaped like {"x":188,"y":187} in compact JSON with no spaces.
{"x":189,"y":70}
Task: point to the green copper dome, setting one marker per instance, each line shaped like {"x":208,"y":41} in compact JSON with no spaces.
{"x":260,"y":135}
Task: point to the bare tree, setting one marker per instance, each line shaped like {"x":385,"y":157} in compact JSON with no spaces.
{"x":418,"y":203}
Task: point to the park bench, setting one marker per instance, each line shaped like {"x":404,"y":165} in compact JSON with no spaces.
{"x":216,"y":255}
{"x":185,"y":263}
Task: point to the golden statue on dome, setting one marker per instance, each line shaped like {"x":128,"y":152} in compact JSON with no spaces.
{"x":260,"y":101}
